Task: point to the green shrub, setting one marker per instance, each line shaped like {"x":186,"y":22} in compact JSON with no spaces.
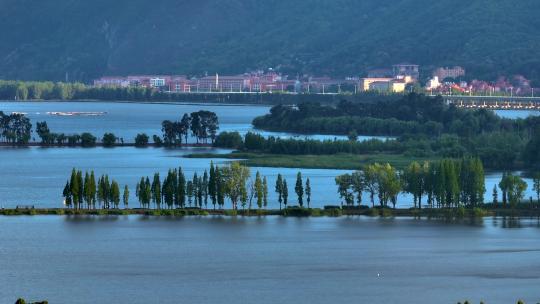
{"x":386,"y":212}
{"x":460,"y":212}
{"x":296,"y":211}
{"x":334,"y":212}
{"x":316,"y":212}
{"x":373,"y":212}
{"x":230,"y":212}
{"x":479,"y":212}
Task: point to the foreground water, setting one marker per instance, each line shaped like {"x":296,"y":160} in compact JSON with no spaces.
{"x":267,"y":260}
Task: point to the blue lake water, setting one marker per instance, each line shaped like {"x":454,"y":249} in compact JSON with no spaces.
{"x":516,"y":114}
{"x":130,"y":259}
{"x":128,"y":119}
{"x":47,"y":169}
{"x":137,"y":259}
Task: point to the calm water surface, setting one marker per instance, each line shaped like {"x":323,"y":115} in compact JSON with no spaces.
{"x":131,"y":259}
{"x":36,"y":176}
{"x":516,"y":114}
{"x":47,"y":169}
{"x":267,"y":260}
{"x":128,"y":119}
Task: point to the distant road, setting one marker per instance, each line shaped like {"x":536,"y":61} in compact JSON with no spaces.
{"x":494,"y":102}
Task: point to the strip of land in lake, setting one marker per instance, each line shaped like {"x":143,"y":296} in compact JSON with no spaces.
{"x":329,"y":211}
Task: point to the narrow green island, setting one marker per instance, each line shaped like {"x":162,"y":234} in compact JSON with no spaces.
{"x":449,"y":188}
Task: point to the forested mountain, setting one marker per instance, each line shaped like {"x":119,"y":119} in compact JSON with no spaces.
{"x":86,"y":39}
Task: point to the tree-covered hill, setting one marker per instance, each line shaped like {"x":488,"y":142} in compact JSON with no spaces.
{"x":86,"y":39}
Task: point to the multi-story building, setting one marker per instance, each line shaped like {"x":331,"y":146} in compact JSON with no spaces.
{"x":220,"y":84}
{"x":111,"y":82}
{"x":380,"y":73}
{"x":394,"y":85}
{"x":365,"y":83}
{"x":406,"y":69}
{"x":158,"y":82}
{"x":446,"y":72}
{"x":180,"y":84}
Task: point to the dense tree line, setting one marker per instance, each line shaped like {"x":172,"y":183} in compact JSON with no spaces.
{"x":80,"y":192}
{"x":15,"y":128}
{"x":253,"y":142}
{"x":202,"y":125}
{"x":496,"y":150}
{"x":447,"y":183}
{"x":411,"y":114}
{"x":85,"y":139}
{"x":422,"y":124}
{"x":232,"y":183}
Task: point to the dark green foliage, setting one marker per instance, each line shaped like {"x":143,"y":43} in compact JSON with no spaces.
{"x":229,"y":140}
{"x":341,"y":37}
{"x":411,"y":114}
{"x":202,"y":124}
{"x":88,"y":140}
{"x":108,"y":140}
{"x":15,"y":128}
{"x":141,"y":140}
{"x":157,"y":140}
{"x":299,"y":189}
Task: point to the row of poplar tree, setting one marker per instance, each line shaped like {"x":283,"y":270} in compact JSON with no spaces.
{"x":446,"y":183}
{"x":215,"y":186}
{"x":82,"y":192}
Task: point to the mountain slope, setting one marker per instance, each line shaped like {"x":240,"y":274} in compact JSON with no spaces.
{"x":47,"y":39}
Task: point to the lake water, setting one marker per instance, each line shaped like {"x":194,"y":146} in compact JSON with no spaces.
{"x":36,"y":176}
{"x":137,"y":259}
{"x":513,"y":114}
{"x":128,"y":119}
{"x":130,"y":259}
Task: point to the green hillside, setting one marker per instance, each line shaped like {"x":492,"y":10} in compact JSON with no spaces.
{"x":86,"y":39}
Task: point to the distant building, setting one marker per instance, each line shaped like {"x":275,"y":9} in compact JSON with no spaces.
{"x":111,"y":82}
{"x":380,"y":73}
{"x":443,"y":73}
{"x":157,"y":82}
{"x":384,"y":84}
{"x":433,"y":83}
{"x":406,"y":69}
{"x":365,"y":83}
{"x":180,"y":84}
{"x":221,"y":84}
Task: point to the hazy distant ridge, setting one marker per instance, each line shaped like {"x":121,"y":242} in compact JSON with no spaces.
{"x":46,"y":39}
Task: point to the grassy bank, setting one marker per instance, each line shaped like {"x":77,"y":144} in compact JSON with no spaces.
{"x":335,"y":161}
{"x":329,"y":211}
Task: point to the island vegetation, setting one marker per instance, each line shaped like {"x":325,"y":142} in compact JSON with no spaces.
{"x":16,"y":130}
{"x":450,"y":188}
{"x":423,"y":127}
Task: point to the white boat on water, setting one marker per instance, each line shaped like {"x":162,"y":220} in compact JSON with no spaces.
{"x":77,"y":113}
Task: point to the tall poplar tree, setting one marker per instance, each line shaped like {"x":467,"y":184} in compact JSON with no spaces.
{"x":308,"y":192}
{"x":265,"y":192}
{"x":299,"y":189}
{"x":279,"y":189}
{"x":126,"y":196}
